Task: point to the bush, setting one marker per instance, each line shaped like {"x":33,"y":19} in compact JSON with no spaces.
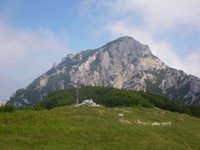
{"x":49,"y":104}
{"x":112,"y":97}
{"x":7,"y":108}
{"x":107,"y":96}
{"x":38,"y":106}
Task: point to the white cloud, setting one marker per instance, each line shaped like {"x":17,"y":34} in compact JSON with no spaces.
{"x":145,"y":19}
{"x":29,"y":49}
{"x":154,"y":13}
{"x":26,"y":53}
{"x":165,"y":13}
{"x":191,"y":63}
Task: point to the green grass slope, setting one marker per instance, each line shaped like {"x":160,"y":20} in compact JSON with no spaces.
{"x":103,"y":128}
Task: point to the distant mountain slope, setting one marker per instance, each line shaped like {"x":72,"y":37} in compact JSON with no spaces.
{"x":122,"y":63}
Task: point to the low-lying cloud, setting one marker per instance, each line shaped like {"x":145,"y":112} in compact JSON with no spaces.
{"x":26,"y":52}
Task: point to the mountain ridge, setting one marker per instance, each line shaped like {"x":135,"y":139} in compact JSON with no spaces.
{"x":122,"y":63}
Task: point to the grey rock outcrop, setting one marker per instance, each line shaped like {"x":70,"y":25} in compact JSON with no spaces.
{"x":122,"y":63}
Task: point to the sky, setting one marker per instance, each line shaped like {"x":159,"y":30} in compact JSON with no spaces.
{"x":35,"y":34}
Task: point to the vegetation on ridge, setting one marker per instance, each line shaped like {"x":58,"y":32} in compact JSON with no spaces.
{"x":113,"y":127}
{"x":112,"y":97}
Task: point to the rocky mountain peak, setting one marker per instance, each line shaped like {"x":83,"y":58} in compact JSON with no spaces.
{"x":129,"y":45}
{"x":122,"y":63}
{"x":123,"y":39}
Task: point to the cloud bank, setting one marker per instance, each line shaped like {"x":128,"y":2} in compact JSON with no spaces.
{"x":147,"y":20}
{"x":25,"y":53}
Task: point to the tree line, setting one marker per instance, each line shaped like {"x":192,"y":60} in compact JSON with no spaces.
{"x":111,"y":97}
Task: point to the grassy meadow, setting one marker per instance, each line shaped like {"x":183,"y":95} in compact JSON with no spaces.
{"x":98,"y":128}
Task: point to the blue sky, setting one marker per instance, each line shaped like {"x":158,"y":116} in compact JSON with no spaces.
{"x":60,"y":17}
{"x":34,"y":34}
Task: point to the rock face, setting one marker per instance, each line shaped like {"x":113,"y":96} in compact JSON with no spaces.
{"x":88,"y":103}
{"x":122,"y":63}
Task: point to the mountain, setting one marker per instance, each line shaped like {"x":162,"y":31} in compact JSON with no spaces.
{"x":123,"y":63}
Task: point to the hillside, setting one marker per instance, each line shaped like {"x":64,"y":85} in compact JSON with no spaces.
{"x":113,"y":97}
{"x":124,"y":63}
{"x":98,"y":128}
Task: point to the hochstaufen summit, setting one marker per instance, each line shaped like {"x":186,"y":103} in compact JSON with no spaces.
{"x":123,"y":63}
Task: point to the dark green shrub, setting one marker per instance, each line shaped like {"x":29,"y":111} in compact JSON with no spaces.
{"x":112,"y":97}
{"x":7,"y":108}
{"x":38,"y":106}
{"x":49,"y":104}
{"x":107,"y":96}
